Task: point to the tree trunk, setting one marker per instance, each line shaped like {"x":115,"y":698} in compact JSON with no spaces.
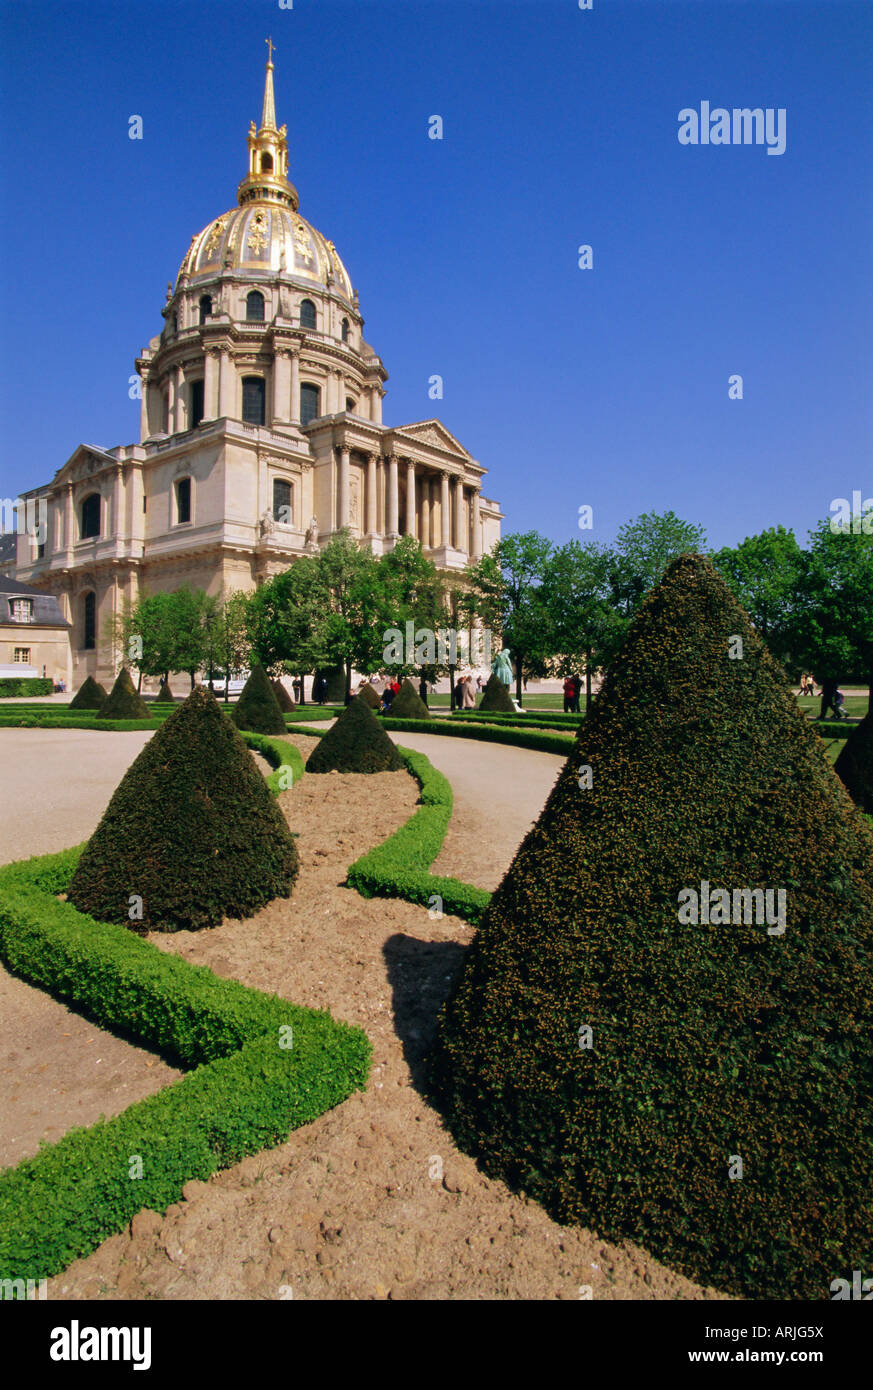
{"x":139,"y":684}
{"x":191,"y":674}
{"x":587,"y":683}
{"x":828,"y":690}
{"x":518,"y":678}
{"x":348,"y":671}
{"x":452,"y":670}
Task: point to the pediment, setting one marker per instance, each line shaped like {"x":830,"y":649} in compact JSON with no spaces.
{"x":85,"y":462}
{"x":432,"y":432}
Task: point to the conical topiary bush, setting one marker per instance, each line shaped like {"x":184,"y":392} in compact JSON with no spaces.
{"x":619,"y":1062}
{"x":90,"y":695}
{"x":357,"y":742}
{"x":165,"y":695}
{"x":369,"y":696}
{"x":496,"y":698}
{"x":257,"y":708}
{"x":854,"y":766}
{"x":123,"y":701}
{"x":408,"y":704}
{"x":283,"y":699}
{"x":219,"y":848}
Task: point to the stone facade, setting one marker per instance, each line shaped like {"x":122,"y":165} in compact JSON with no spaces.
{"x":261,"y":432}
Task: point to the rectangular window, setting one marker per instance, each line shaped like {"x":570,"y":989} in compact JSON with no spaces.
{"x":22,"y":655}
{"x":309,"y":407}
{"x":254,"y":400}
{"x":282,"y":501}
{"x":183,"y":501}
{"x":196,"y":402}
{"x":22,"y":610}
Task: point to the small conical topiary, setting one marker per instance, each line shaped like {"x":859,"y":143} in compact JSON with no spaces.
{"x":283,"y":699}
{"x":165,"y":694}
{"x":496,"y":698}
{"x":90,"y":695}
{"x":257,"y":708}
{"x":639,"y":1037}
{"x":357,"y":742}
{"x":220,"y":847}
{"x":408,"y":704}
{"x":123,"y":700}
{"x":369,"y":696}
{"x":854,"y":766}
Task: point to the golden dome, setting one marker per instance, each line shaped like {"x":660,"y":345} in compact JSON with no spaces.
{"x":261,"y":237}
{"x":266,"y":233}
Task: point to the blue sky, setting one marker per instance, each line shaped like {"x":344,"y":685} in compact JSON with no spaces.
{"x":606,"y":387}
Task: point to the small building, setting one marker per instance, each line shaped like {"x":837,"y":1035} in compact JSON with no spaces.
{"x":34,"y":634}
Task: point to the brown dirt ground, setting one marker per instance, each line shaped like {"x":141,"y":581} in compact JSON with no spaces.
{"x":372,"y":1200}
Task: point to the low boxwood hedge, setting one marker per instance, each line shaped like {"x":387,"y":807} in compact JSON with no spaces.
{"x":569,"y":722}
{"x":24,"y":685}
{"x":248,"y":1088}
{"x":540,"y":740}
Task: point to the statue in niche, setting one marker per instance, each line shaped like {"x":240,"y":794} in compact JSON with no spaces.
{"x":312,"y":534}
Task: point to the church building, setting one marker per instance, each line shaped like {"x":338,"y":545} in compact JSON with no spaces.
{"x":261,"y":433}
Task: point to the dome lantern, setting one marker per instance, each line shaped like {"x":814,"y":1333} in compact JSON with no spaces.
{"x":267,"y":179}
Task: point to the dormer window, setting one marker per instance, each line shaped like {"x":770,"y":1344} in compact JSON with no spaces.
{"x":205,"y":307}
{"x":307,"y":314}
{"x":254,"y":307}
{"x":90,"y":517}
{"x":21,"y":610}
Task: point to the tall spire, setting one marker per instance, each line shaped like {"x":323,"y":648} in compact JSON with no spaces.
{"x":267,"y":179}
{"x":268,"y":119}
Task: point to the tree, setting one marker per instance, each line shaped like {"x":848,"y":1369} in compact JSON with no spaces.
{"x":763,"y":573}
{"x":351,"y":620}
{"x":643,"y":550}
{"x":192,"y":616}
{"x":832,"y":623}
{"x":584,"y":629}
{"x":282,"y":619}
{"x":506,"y":585}
{"x":227,"y":639}
{"x":412,"y":592}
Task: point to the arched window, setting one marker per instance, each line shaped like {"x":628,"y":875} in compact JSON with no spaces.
{"x":266,"y":163}
{"x":345,"y":330}
{"x":89,"y":621}
{"x":205,"y":307}
{"x":254,"y":400}
{"x":309,"y":406}
{"x":90,"y":516}
{"x":307,"y":314}
{"x":183,"y":501}
{"x":350,"y":405}
{"x":254,"y":307}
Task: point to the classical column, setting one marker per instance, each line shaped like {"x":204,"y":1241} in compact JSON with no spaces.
{"x":144,"y":430}
{"x":171,"y":402}
{"x":343,"y":509}
{"x":210,"y":384}
{"x":381,"y":499}
{"x":68,"y":518}
{"x":477,"y":526}
{"x":226,"y":383}
{"x":340,"y":392}
{"x":460,"y":540}
{"x":294,"y":416}
{"x":425,"y":536}
{"x":410,"y":498}
{"x":393,"y":527}
{"x":180,"y":401}
{"x":116,"y":503}
{"x":445,"y":520}
{"x":371,"y":495}
{"x":281,"y":386}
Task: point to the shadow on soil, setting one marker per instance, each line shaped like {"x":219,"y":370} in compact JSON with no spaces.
{"x":420,"y":974}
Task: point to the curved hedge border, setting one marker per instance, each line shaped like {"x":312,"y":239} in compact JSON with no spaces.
{"x":246,"y":1091}
{"x":521,"y":721}
{"x":541,"y":741}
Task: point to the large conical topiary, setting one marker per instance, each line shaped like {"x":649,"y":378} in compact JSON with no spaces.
{"x":165,"y":695}
{"x":257,"y":708}
{"x":369,"y":696}
{"x":408,"y":704}
{"x":496,"y":698}
{"x":619,"y":1062}
{"x":283,"y":699}
{"x":855,"y":764}
{"x":357,"y":742}
{"x":90,"y":695}
{"x":220,"y":846}
{"x":123,"y":701}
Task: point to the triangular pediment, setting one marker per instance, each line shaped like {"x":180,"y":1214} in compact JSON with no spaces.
{"x":433,"y":432}
{"x":85,"y":460}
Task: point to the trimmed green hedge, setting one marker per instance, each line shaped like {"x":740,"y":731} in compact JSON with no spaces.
{"x":541,"y":741}
{"x":304,"y":714}
{"x":569,"y":722}
{"x":399,"y":867}
{"x":246,"y":1092}
{"x":25,"y":685}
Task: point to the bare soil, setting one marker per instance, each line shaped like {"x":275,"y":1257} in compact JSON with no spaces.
{"x":372,"y":1200}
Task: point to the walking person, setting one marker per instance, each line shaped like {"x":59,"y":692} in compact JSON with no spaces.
{"x":577,"y":691}
{"x":569,"y":693}
{"x":422,"y":689}
{"x":468,"y":698}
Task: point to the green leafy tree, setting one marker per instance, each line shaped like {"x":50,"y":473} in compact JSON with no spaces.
{"x":506,"y":590}
{"x":583,"y":628}
{"x":351,"y":618}
{"x":412,"y":591}
{"x":643,"y":550}
{"x":227,"y":644}
{"x":763,"y":573}
{"x":832,"y":626}
{"x":282,"y":619}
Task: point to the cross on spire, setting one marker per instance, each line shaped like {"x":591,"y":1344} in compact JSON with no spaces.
{"x":270,"y":48}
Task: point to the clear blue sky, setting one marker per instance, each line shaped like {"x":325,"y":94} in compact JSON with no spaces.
{"x":607,"y":387}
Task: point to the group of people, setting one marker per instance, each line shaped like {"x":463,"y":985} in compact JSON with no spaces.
{"x":572,"y":691}
{"x":807,"y":684}
{"x":466,"y":691}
